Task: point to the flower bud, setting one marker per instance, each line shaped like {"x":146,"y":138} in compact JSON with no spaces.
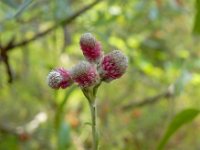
{"x":91,"y":48}
{"x":113,"y":66}
{"x":59,"y":78}
{"x":85,"y":74}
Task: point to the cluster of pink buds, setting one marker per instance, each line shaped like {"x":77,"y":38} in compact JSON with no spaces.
{"x":59,"y":78}
{"x":85,"y":74}
{"x":97,"y":67}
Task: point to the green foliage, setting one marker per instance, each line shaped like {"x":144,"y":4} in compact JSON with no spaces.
{"x":10,"y":3}
{"x":178,"y":121}
{"x":196,"y":28}
{"x":62,"y":9}
{"x":163,"y":55}
{"x":22,"y":7}
{"x":60,"y":110}
{"x":12,"y":142}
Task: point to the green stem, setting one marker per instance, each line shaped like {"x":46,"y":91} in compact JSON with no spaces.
{"x":90,"y":94}
{"x":94,"y":131}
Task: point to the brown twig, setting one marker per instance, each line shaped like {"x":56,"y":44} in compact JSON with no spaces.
{"x":8,"y":68}
{"x":149,"y":100}
{"x":50,"y":29}
{"x":67,"y":38}
{"x":5,"y":58}
{"x":12,"y":44}
{"x":28,"y":128}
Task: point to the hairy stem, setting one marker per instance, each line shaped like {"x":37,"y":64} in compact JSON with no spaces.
{"x":94,"y":129}
{"x":90,"y":94}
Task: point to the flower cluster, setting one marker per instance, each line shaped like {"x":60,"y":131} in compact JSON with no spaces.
{"x":96,"y":68}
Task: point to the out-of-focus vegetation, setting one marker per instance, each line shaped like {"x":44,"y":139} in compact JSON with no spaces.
{"x":161,"y":39}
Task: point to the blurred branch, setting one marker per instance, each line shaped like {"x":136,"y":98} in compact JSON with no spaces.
{"x":4,"y":57}
{"x":12,"y":44}
{"x":67,"y":38}
{"x":61,"y":23}
{"x":8,"y":68}
{"x":24,"y":132}
{"x":7,"y":129}
{"x":150,"y":100}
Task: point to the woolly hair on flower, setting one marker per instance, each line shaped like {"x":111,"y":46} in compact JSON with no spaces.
{"x":85,"y":74}
{"x":91,"y":48}
{"x":59,"y":78}
{"x":113,"y":66}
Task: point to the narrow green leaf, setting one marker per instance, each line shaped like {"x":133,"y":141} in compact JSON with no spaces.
{"x":196,"y":27}
{"x":64,"y":136}
{"x":23,"y":7}
{"x":179,"y":120}
{"x":59,"y":112}
{"x":10,"y":3}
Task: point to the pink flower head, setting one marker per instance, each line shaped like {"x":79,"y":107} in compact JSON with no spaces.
{"x":91,"y":48}
{"x":59,"y":78}
{"x":113,"y":66}
{"x":85,"y":74}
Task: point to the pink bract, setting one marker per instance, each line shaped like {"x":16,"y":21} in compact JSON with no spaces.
{"x":59,"y":78}
{"x":113,"y":66}
{"x":85,"y":74}
{"x":91,"y":48}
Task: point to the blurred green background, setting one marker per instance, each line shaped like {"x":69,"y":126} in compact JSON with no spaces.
{"x":161,"y":39}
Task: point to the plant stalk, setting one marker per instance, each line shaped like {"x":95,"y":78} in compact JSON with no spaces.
{"x":94,"y":130}
{"x":90,"y":94}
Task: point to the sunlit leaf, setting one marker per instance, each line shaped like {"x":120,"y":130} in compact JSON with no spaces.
{"x":179,"y":120}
